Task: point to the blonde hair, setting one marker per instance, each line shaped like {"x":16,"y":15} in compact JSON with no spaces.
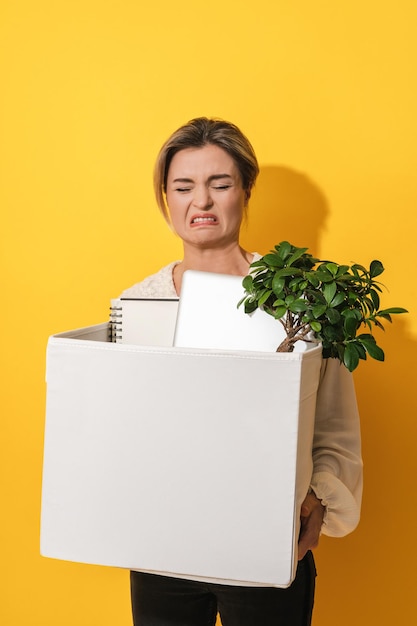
{"x":197,"y":133}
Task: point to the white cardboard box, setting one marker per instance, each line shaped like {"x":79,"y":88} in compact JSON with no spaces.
{"x":177,"y":461}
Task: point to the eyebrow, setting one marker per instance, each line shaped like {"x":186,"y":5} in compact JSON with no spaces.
{"x":211,"y":178}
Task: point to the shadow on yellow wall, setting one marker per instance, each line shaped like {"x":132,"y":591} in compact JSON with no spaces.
{"x":288,"y":205}
{"x":285,"y":205}
{"x":377,"y":551}
{"x":388,"y":402}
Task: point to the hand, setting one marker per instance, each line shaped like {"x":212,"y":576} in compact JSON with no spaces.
{"x":312,"y":514}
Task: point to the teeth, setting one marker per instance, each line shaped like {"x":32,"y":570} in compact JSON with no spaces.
{"x":203,"y":219}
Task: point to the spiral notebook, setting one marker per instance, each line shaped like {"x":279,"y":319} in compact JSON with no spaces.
{"x":206,"y":316}
{"x":146,"y":322}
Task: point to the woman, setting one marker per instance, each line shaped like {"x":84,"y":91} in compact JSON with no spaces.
{"x":203,"y":180}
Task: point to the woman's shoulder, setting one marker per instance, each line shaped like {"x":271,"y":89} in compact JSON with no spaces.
{"x":158,"y":285}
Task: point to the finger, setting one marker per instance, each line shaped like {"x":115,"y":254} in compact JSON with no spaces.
{"x":305,"y":510}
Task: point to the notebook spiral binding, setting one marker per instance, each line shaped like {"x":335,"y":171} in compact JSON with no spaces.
{"x":115,"y":326}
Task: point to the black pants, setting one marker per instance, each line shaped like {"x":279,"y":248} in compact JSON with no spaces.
{"x":164,"y":601}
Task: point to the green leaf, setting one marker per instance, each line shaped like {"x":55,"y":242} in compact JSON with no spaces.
{"x":272,"y":260}
{"x":333,"y":316}
{"x":376,"y":268}
{"x":261,"y":279}
{"x":294,"y":283}
{"x":325,"y":277}
{"x":280,"y":312}
{"x":392,"y":311}
{"x":385,"y":316}
{"x":298,"y":306}
{"x":315,"y":326}
{"x":329,"y":291}
{"x":375,"y":352}
{"x":247,"y":283}
{"x":264,"y":297}
{"x":338,"y":299}
{"x":342,"y":271}
{"x":368,"y":304}
{"x":350,"y":324}
{"x":319,"y":309}
{"x":283,"y":249}
{"x":378,"y":323}
{"x":289,"y":271}
{"x":359,"y":349}
{"x":278,"y":283}
{"x":369,"y":343}
{"x":332,"y":267}
{"x":355,"y":313}
{"x":313,"y":279}
{"x":296,"y":255}
{"x":330,"y":333}
{"x":350,"y":357}
{"x":258,"y":264}
{"x":250,"y":306}
{"x":366,"y":337}
{"x":352,"y":297}
{"x":375,"y":298}
{"x":241,"y":301}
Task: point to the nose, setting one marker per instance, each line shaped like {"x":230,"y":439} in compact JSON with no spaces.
{"x":202,"y":198}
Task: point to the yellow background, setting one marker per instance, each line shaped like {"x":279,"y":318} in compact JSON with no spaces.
{"x":326,"y":91}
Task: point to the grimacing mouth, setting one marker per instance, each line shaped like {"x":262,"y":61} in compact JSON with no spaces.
{"x":203,"y":218}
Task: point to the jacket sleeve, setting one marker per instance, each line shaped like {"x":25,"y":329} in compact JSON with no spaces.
{"x":337,"y":464}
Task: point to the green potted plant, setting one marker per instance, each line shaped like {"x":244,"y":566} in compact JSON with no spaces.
{"x":319,"y":301}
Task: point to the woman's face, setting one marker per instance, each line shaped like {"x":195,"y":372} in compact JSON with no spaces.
{"x":205,"y":197}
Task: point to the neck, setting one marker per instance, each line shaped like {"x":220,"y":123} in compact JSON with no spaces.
{"x":229,"y":260}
